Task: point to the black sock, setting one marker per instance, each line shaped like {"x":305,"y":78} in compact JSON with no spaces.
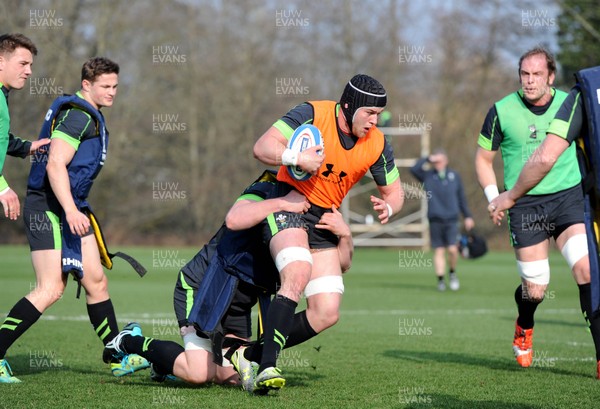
{"x":278,"y":324}
{"x":103,"y":319}
{"x":301,"y":331}
{"x":593,"y":320}
{"x":254,"y":351}
{"x":526,"y":309}
{"x":22,"y":316}
{"x":161,"y":353}
{"x":440,"y":278}
{"x":452,"y":271}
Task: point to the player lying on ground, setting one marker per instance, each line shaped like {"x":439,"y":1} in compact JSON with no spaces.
{"x":236,"y":250}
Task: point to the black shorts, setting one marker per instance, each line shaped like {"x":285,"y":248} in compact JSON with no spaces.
{"x":317,"y":238}
{"x":235,"y":321}
{"x":542,"y":217}
{"x":43,"y":226}
{"x":443,"y":233}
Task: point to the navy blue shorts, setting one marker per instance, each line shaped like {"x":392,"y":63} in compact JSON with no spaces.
{"x":443,"y":233}
{"x":43,"y":226}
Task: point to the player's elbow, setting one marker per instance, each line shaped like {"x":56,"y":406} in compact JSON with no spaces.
{"x":346,"y":264}
{"x":233,"y":222}
{"x":259,"y":152}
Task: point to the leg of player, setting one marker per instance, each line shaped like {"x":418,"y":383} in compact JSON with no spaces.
{"x":439,"y":264}
{"x":50,"y":285}
{"x":289,"y":249}
{"x":198,"y":366}
{"x":573,"y":246}
{"x":452,"y":260}
{"x":100,"y":308}
{"x":534,"y":269}
{"x":324,"y":290}
{"x":195,"y":364}
{"x":323,"y":297}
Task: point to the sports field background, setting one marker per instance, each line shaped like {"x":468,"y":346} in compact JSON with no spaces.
{"x":399,"y":343}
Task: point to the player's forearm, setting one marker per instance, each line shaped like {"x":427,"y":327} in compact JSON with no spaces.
{"x":246,"y":214}
{"x":531,"y":174}
{"x":393,"y":195}
{"x":539,"y":165}
{"x":58,"y":177}
{"x":17,"y":147}
{"x":486,"y":175}
{"x":346,"y":251}
{"x":269,"y":148}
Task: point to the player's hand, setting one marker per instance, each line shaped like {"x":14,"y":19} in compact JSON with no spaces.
{"x":310,"y":160}
{"x":469,"y":223}
{"x":334,"y":222}
{"x":381,"y":207}
{"x":35,"y":145}
{"x":497,"y":207}
{"x":11,"y":205}
{"x":295,"y":202}
{"x":78,"y":222}
{"x":435,"y":157}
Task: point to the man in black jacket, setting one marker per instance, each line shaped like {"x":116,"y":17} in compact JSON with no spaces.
{"x":446,"y":201}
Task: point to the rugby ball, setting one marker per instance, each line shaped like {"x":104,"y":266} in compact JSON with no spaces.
{"x":304,"y":137}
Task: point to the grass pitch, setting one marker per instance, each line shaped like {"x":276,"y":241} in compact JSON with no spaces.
{"x":399,"y":343}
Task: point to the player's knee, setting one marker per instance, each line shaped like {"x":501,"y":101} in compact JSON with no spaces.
{"x":536,"y":276}
{"x":98,"y":284}
{"x":45,"y":295}
{"x":323,"y":301}
{"x":294,"y":265}
{"x":575,"y":252}
{"x":329,"y":319}
{"x":197,"y":377}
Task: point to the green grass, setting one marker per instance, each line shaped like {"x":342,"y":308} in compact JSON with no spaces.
{"x":399,"y":342}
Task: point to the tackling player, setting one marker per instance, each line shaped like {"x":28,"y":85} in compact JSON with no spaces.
{"x":235,"y":252}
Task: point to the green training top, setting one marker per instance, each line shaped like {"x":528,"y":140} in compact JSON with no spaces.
{"x":523,"y":131}
{"x":4,"y":130}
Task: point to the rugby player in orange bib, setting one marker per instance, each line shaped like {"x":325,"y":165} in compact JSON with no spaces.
{"x":306,"y":255}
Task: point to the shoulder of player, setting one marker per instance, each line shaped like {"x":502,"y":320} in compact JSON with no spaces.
{"x":73,"y":113}
{"x":74,"y":117}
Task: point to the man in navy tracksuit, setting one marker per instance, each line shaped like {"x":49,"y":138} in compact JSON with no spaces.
{"x":446,"y":201}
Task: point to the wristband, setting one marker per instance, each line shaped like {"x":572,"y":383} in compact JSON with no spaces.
{"x":3,"y":185}
{"x":491,"y":192}
{"x":289,"y":157}
{"x":390,"y":212}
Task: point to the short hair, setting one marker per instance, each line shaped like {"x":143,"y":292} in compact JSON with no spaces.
{"x":96,"y":66}
{"x":11,"y":41}
{"x":440,"y":151}
{"x":550,"y":61}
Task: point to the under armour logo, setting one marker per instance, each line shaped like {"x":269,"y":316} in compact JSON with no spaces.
{"x":330,"y":171}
